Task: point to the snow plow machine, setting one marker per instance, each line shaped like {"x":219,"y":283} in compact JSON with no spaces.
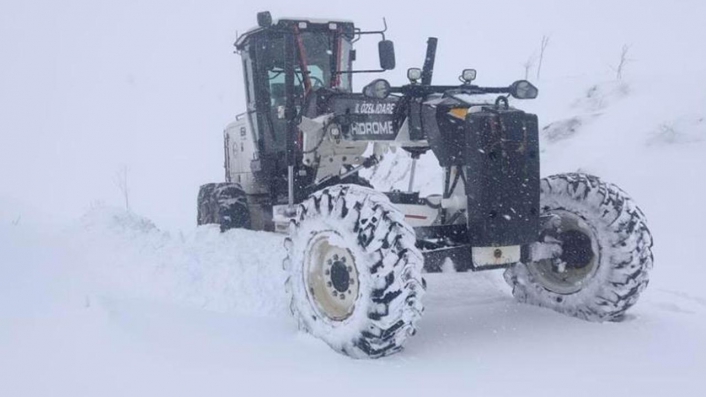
{"x":356,"y":256}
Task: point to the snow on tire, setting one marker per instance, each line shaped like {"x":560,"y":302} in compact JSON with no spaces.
{"x":224,"y":204}
{"x":355,"y":274}
{"x":606,"y":251}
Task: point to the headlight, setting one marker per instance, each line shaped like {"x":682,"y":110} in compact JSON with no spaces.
{"x":414,"y":74}
{"x":523,"y":89}
{"x":379,"y":89}
{"x":468,"y":75}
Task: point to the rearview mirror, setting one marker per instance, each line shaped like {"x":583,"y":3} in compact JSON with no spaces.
{"x":523,"y":89}
{"x":386,"y":49}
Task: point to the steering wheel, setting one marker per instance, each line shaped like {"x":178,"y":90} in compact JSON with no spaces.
{"x":316,"y":82}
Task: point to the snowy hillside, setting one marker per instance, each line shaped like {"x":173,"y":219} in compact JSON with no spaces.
{"x":98,"y":301}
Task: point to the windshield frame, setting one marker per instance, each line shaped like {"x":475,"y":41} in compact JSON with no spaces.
{"x":321,"y":52}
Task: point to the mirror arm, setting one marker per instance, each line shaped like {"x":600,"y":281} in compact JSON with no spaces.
{"x":359,"y":71}
{"x":380,"y":32}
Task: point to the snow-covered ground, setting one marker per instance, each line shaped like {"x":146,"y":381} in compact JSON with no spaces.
{"x":97,"y":301}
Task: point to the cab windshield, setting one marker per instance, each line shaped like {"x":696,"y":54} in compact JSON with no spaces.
{"x":321,"y":57}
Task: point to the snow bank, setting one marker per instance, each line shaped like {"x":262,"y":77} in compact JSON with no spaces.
{"x":236,"y":272}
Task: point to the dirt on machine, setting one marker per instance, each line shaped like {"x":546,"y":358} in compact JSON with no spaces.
{"x":356,"y":256}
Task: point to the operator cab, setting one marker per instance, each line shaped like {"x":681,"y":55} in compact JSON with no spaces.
{"x":288,"y":65}
{"x":322,"y":59}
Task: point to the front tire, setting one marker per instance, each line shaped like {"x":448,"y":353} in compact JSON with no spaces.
{"x":606,"y":251}
{"x":355,"y":275}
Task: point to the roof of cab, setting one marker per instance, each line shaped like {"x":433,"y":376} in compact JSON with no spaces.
{"x":283,"y":22}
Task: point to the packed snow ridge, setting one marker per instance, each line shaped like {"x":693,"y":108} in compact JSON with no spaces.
{"x":238,"y":271}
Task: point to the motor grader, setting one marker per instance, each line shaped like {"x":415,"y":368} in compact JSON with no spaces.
{"x":355,"y":256}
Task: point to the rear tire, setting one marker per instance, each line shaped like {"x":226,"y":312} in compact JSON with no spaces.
{"x":607,"y":251}
{"x":224,"y":204}
{"x":355,"y":275}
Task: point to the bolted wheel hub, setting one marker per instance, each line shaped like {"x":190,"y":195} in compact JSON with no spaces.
{"x":569,"y":272}
{"x":340,"y":277}
{"x":576,"y":249}
{"x":331,"y":277}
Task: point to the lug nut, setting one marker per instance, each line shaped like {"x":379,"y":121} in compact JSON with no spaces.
{"x":342,"y":297}
{"x":335,"y":257}
{"x":328,"y":284}
{"x":329,"y":262}
{"x":335,"y":293}
{"x":349,"y":268}
{"x":343,"y":259}
{"x":327,"y":272}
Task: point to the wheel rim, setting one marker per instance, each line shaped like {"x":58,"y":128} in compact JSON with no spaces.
{"x":578,"y":263}
{"x":331,"y":276}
